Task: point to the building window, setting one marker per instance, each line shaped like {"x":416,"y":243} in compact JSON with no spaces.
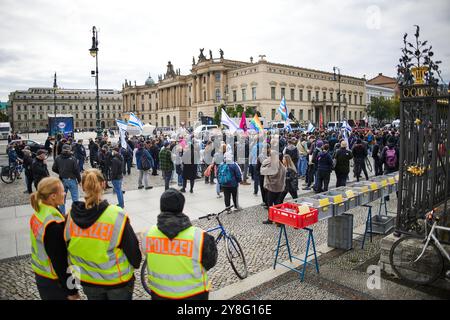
{"x":40,"y":108}
{"x":157,"y":105}
{"x":244,"y":94}
{"x":204,"y":79}
{"x":40,"y":116}
{"x":234,"y":96}
{"x":272,"y":93}
{"x":360,"y":100}
{"x":142,"y":97}
{"x":91,"y":115}
{"x":356,"y":99}
{"x":300,"y":95}
{"x":189,"y":103}
{"x":204,"y":95}
{"x":317,"y":95}
{"x":309,"y":95}
{"x":309,"y":115}
{"x":217,"y":76}
{"x":360,"y":115}
{"x":273,"y":114}
{"x":142,"y":107}
{"x":18,"y":117}
{"x":349,"y":99}
{"x":283,"y":93}
{"x":301,"y":115}
{"x":253,"y":93}
{"x":25,"y":117}
{"x":18,"y":108}
{"x":324,"y":95}
{"x":331,"y":96}
{"x":150,"y":106}
{"x":217,"y":95}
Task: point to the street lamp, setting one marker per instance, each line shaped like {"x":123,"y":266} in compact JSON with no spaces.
{"x":339,"y":91}
{"x":55,"y":86}
{"x":94,"y":53}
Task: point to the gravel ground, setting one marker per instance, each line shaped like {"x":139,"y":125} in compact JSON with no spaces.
{"x":257,"y":240}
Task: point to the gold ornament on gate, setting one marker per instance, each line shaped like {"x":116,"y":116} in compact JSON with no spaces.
{"x":419,"y":74}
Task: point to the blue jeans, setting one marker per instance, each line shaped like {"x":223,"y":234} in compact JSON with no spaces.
{"x":72,"y":186}
{"x":302,"y":165}
{"x":80,"y":165}
{"x":167,"y":175}
{"x":117,"y":188}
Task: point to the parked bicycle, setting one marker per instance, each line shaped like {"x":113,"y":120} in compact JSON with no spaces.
{"x":417,"y":260}
{"x":10,"y":173}
{"x":233,"y":250}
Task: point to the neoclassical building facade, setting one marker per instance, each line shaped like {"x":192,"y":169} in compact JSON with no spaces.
{"x":176,"y":98}
{"x":30,"y":108}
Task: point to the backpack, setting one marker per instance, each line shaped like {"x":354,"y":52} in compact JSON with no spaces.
{"x":391,"y":158}
{"x":224,"y":174}
{"x":145,"y":163}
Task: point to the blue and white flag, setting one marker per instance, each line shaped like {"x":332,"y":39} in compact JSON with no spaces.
{"x":311,"y":128}
{"x":282,"y":109}
{"x":225,"y":119}
{"x":345,"y":136}
{"x":135,"y":121}
{"x":346,"y":126}
{"x":122,"y":125}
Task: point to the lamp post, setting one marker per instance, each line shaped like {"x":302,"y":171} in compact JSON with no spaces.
{"x":339,"y":91}
{"x":55,"y":86}
{"x":94,"y":52}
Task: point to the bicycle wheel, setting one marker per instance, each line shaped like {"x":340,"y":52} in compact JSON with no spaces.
{"x":144,"y":277}
{"x":8,"y":176}
{"x":236,"y":256}
{"x":425,"y":271}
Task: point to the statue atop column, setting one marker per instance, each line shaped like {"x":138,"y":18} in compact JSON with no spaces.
{"x":201,"y":57}
{"x":193,"y":60}
{"x":221,"y":53}
{"x":170,"y":72}
{"x":210,"y":55}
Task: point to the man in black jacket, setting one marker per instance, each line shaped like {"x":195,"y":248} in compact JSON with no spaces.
{"x":66,"y":166}
{"x":116,"y":174}
{"x":171,"y":221}
{"x":39,"y":167}
{"x":342,"y":167}
{"x":93,"y":152}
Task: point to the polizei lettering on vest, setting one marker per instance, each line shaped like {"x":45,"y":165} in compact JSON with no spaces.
{"x":175,"y":247}
{"x":201,"y":311}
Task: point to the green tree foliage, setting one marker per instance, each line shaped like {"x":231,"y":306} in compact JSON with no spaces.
{"x":382,"y":109}
{"x":3,"y":117}
{"x":234,"y":112}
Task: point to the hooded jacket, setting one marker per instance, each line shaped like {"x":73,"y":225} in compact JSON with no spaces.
{"x":84,"y":218}
{"x":275,"y":174}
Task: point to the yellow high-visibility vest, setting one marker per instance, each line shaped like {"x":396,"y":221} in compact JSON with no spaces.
{"x":174,"y":267}
{"x":94,"y":251}
{"x":40,"y":262}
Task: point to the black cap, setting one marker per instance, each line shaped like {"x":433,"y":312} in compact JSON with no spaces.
{"x":172,"y":200}
{"x":41,"y":151}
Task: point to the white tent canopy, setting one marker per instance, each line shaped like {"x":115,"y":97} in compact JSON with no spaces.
{"x":148,"y":129}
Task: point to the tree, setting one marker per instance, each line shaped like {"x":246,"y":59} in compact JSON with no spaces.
{"x":234,"y":112}
{"x":3,"y":117}
{"x":380,"y":109}
{"x":395,"y":108}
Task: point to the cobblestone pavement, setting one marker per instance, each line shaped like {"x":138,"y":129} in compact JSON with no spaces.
{"x":257,"y":240}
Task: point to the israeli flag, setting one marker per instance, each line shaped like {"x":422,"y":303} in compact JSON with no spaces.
{"x":122,"y":125}
{"x":135,"y":121}
{"x":311,"y":128}
{"x":346,"y":126}
{"x":282,"y":109}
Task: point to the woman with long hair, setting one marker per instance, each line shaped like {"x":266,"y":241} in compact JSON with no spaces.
{"x":101,"y":243}
{"x":48,"y":249}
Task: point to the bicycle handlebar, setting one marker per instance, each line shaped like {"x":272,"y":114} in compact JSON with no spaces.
{"x":208,"y":216}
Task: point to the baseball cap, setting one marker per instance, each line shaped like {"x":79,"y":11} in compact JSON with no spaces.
{"x":41,"y":151}
{"x":66,"y":147}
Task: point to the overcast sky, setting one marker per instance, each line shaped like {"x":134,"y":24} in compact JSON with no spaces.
{"x":39,"y":37}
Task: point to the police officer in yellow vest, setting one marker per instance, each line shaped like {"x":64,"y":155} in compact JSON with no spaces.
{"x":178,"y":254}
{"x":101,"y":243}
{"x":48,"y":249}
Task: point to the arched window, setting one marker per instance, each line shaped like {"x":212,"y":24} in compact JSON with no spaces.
{"x":174,"y":121}
{"x":162,"y":121}
{"x":168,"y":121}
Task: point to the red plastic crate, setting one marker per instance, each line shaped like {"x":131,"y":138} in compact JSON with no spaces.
{"x":287,"y":213}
